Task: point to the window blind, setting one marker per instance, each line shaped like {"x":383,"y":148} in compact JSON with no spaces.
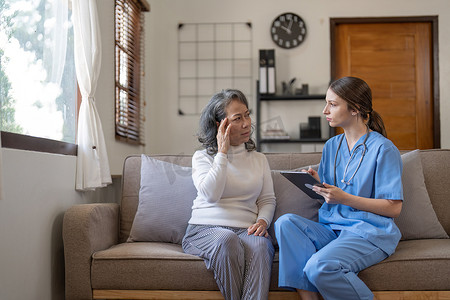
{"x":129,"y":70}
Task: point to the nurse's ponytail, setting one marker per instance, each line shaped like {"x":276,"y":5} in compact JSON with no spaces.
{"x":358,"y":95}
{"x":375,"y":122}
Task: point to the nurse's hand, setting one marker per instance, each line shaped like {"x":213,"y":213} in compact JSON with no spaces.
{"x":332,"y":194}
{"x":384,"y":207}
{"x":259,"y":228}
{"x":312,"y":172}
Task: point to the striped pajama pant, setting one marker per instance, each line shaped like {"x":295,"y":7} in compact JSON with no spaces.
{"x":241,"y":263}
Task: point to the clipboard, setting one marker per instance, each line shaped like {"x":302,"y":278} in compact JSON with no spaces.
{"x":304,"y":181}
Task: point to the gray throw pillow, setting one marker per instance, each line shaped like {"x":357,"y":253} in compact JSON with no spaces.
{"x":165,"y":202}
{"x":290,"y":199}
{"x":417,"y":219}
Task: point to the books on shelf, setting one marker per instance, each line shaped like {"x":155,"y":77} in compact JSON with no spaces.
{"x":274,"y":130}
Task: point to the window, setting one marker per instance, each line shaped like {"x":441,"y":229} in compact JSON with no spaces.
{"x":129,"y":69}
{"x":38,"y":88}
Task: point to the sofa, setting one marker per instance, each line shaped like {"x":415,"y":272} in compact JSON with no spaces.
{"x":132,"y":250}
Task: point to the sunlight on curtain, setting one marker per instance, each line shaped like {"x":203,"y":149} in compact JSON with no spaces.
{"x":92,"y":161}
{"x":55,"y":54}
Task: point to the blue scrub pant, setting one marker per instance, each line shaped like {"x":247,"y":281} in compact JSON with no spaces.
{"x":313,"y":257}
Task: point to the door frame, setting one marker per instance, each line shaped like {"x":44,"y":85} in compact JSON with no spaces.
{"x":334,"y":22}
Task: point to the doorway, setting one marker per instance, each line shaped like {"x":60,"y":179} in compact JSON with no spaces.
{"x":398,"y":58}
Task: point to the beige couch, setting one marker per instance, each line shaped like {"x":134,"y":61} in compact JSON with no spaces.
{"x":101,"y":264}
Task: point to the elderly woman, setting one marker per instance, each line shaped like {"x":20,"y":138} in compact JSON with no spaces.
{"x":235,"y":201}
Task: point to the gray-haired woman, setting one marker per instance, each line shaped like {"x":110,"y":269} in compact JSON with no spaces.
{"x":235,"y":201}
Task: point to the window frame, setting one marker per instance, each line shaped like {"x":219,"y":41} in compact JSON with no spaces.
{"x":39,"y":144}
{"x":132,"y":131}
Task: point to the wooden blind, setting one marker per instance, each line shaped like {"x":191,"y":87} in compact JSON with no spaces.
{"x":129,"y":70}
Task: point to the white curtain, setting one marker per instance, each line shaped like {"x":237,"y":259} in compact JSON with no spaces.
{"x":54,"y":53}
{"x":92,"y":162}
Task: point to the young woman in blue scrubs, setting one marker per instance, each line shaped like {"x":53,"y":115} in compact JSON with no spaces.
{"x":361,"y":171}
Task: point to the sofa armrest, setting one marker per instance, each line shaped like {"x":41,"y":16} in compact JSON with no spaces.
{"x":87,"y":228}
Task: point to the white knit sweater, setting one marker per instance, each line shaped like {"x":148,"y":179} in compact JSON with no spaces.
{"x":232,"y":190}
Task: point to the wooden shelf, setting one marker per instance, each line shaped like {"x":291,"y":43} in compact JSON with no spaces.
{"x":268,"y":97}
{"x":277,"y":97}
{"x":287,"y":141}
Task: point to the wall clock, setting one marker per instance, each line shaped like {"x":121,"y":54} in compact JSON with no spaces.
{"x":288,"y":30}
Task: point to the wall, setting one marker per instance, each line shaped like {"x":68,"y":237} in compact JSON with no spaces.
{"x":310,"y":63}
{"x":39,"y":187}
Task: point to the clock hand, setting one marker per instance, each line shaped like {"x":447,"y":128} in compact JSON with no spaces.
{"x":286,"y":29}
{"x":290,"y":25}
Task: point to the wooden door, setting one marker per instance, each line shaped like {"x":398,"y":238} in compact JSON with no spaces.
{"x":396,"y":60}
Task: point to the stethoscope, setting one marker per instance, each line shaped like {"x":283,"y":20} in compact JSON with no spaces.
{"x":350,"y":159}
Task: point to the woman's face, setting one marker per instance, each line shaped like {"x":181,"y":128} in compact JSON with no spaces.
{"x":337,"y":111}
{"x":240,"y":121}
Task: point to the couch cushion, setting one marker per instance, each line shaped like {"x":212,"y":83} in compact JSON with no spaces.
{"x":289,"y":161}
{"x":417,"y":219}
{"x":290,"y":199}
{"x":416,"y":265}
{"x":436,"y":166}
{"x":155,"y":265}
{"x":131,"y":184}
{"x":130,"y":195}
{"x":165,"y":201}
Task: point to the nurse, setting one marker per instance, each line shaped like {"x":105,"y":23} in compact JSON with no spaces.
{"x":361,"y":170}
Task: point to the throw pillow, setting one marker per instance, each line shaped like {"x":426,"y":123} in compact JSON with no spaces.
{"x":417,"y":219}
{"x":290,"y":199}
{"x":165,"y":202}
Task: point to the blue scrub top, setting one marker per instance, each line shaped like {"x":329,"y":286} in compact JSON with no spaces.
{"x":379,"y":176}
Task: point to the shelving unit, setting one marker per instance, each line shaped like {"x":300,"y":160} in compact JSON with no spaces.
{"x":268,"y":97}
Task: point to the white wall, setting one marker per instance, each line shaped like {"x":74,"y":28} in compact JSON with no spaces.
{"x":39,"y":187}
{"x":167,"y":132}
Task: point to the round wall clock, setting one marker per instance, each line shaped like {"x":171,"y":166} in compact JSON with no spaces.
{"x":288,"y":30}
